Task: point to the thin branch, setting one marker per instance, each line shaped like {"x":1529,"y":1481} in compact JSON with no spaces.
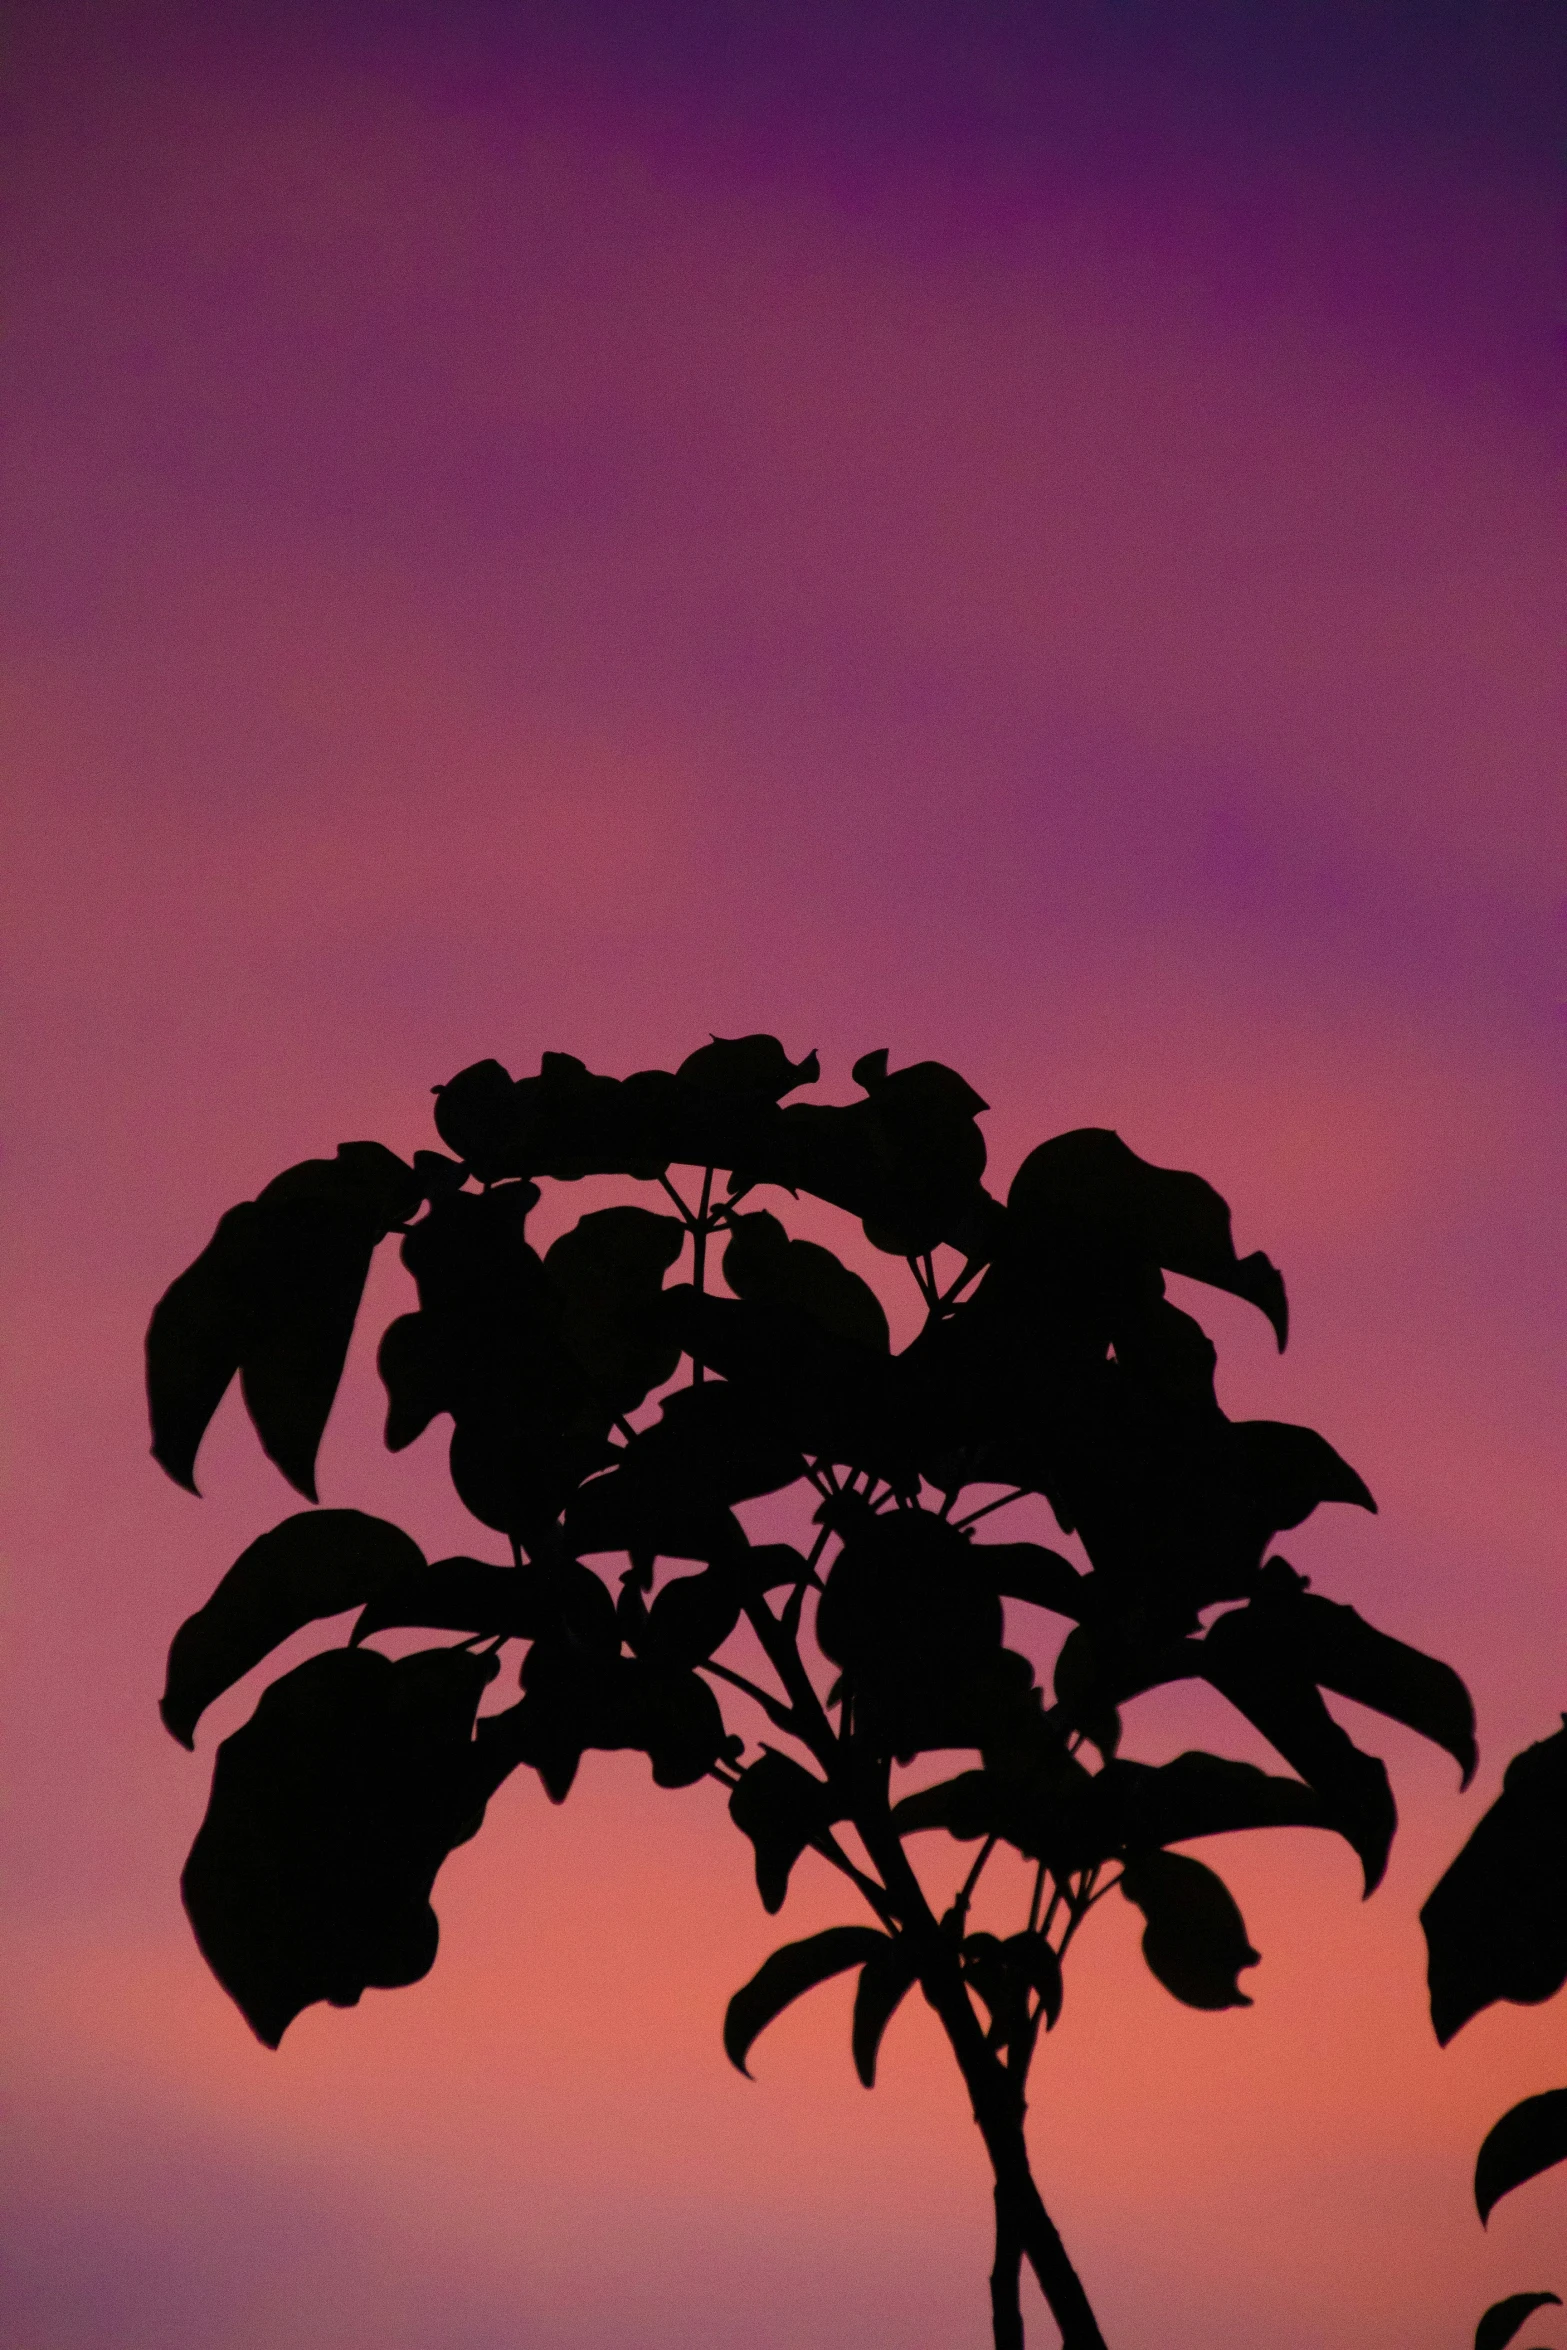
{"x":1038,"y":1902}
{"x":876,"y":1894}
{"x":1002,"y":1502}
{"x":699,"y":1262}
{"x":780,"y":1715}
{"x":686,"y":1216}
{"x":966,"y":1895}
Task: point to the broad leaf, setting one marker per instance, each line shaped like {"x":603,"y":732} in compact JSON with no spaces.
{"x":331,"y":1812}
{"x":781,"y":1979}
{"x":1503,"y":2319}
{"x":781,"y":1807}
{"x":884,"y":1980}
{"x":1089,"y":1180}
{"x":314,"y":1564}
{"x":1027,"y":1571}
{"x":461,"y":1595}
{"x":1496,"y":1924}
{"x":609,"y":1272}
{"x":762,"y":1261}
{"x":1531,"y":2137}
{"x":748,"y":1065}
{"x":1195,"y":1938}
{"x":692,"y":1616}
{"x":1203,"y":1795}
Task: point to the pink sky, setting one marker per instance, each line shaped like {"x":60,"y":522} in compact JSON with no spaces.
{"x":575,"y":532}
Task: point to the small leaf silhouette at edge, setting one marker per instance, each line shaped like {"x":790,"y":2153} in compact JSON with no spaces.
{"x":1531,"y":2137}
{"x":781,"y":1979}
{"x":1503,"y":2319}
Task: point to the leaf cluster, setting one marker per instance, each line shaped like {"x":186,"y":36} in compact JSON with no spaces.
{"x":610,"y":1414}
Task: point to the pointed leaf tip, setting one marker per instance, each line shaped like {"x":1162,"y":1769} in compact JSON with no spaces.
{"x":781,"y":1979}
{"x":1503,"y":2319}
{"x":1529,"y":2139}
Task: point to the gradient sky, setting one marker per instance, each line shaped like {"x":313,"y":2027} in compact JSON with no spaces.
{"x":1028,"y":535}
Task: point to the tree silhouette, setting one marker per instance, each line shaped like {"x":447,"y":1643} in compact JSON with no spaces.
{"x":1050,"y":1362}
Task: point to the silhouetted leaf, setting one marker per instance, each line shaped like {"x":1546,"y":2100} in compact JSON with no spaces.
{"x":968,"y":1807}
{"x":318,"y":1226}
{"x":1089,"y":1179}
{"x":462,"y":1595}
{"x":680,"y":1725}
{"x":314,"y":1564}
{"x":1026,"y":1570}
{"x":198,"y":1333}
{"x":781,"y":1807}
{"x":884,"y":1979}
{"x":673,"y":1486}
{"x":1252,"y":1660}
{"x":692,"y":1616}
{"x":781,"y":1979}
{"x":1195,"y":1939}
{"x":1288,"y":1471}
{"x":331,"y":1812}
{"x":1530,"y":2137}
{"x":609,"y":1271}
{"x":1496,"y":1924}
{"x":1203,"y":1795}
{"x":906,"y":1160}
{"x":748,"y":1065}
{"x":1503,"y":2319}
{"x":1337,"y":1648}
{"x":762,"y":1261}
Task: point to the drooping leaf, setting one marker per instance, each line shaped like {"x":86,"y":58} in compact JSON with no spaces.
{"x":1090,"y":1180}
{"x":781,"y":1807}
{"x":781,"y":1979}
{"x":1496,"y":1924}
{"x":314,"y":1564}
{"x":195,"y":1341}
{"x":1503,"y":2319}
{"x":1195,"y":1938}
{"x":884,"y":1981}
{"x":1288,"y":1471}
{"x":331,"y":1812}
{"x":1252,"y":1661}
{"x":1341,"y":1651}
{"x":1530,"y":2137}
{"x":319,"y":1224}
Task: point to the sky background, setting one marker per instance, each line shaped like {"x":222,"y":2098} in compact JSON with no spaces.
{"x":1023,"y":534}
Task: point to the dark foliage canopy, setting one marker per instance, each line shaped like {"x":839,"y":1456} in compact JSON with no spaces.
{"x":609,"y":1404}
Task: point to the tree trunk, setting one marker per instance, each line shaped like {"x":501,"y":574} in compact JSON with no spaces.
{"x":1006,"y":2310}
{"x":996,"y":2099}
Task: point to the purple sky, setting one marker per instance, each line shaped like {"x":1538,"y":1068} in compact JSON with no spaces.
{"x":1029,"y":536}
